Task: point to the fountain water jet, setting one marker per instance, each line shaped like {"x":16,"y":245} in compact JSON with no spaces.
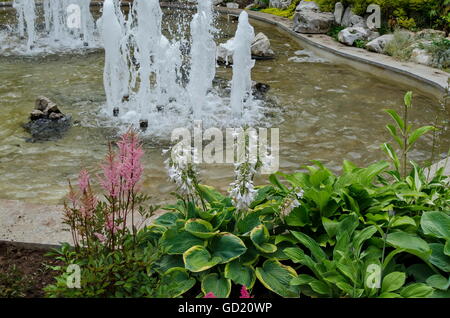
{"x":68,"y":25}
{"x":26,"y":16}
{"x":203,"y":56}
{"x":241,"y":83}
{"x":147,"y":67}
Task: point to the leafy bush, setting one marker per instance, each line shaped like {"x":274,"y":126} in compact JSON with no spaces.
{"x":404,"y":13}
{"x":288,"y":13}
{"x":440,"y":50}
{"x":401,"y":46}
{"x":378,"y":231}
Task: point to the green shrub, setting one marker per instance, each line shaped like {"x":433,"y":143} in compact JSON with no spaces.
{"x":288,"y":13}
{"x":403,"y":13}
{"x":440,"y":50}
{"x":401,"y":46}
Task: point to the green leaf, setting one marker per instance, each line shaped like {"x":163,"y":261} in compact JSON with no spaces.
{"x":362,"y":236}
{"x":410,"y":243}
{"x":167,"y":219}
{"x":393,"y":281}
{"x":439,"y":282}
{"x":417,"y":290}
{"x":175,"y":282}
{"x":331,"y":226}
{"x":198,"y":259}
{"x":200,"y":228}
{"x":387,"y":148}
{"x":298,"y":256}
{"x":240,"y":274}
{"x":400,"y":221}
{"x":302,"y":279}
{"x":227,"y":247}
{"x":393,"y":131}
{"x":408,"y":99}
{"x":179,"y":241}
{"x":218,"y":285}
{"x":209,"y":193}
{"x":260,"y":237}
{"x":396,"y":118}
{"x":320,"y":287}
{"x":312,"y":245}
{"x":436,"y":224}
{"x":277,"y":277}
{"x":389,"y":295}
{"x":438,"y":257}
{"x":298,"y":217}
{"x":416,"y":134}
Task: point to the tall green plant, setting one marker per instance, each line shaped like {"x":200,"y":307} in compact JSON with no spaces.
{"x":405,"y":137}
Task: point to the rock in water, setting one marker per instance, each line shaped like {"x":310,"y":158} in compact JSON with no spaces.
{"x":261,"y":47}
{"x":47,"y":122}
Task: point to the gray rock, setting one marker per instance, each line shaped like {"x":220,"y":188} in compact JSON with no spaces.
{"x":310,"y":21}
{"x":42,"y":103}
{"x":260,"y":49}
{"x":421,"y":56}
{"x":338,"y":12}
{"x":36,"y":114}
{"x":261,"y":46}
{"x":232,"y":5}
{"x":357,"y":21}
{"x":280,"y":4}
{"x":224,"y":53}
{"x":47,"y":122}
{"x":350,"y":35}
{"x":346,"y":17}
{"x":379,"y":44}
{"x":308,"y":6}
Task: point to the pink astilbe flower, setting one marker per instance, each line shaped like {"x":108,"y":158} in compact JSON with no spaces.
{"x":210,"y":295}
{"x":130,"y":154}
{"x":109,"y":224}
{"x":83,"y":181}
{"x":100,"y":237}
{"x":110,"y":179}
{"x":245,"y":293}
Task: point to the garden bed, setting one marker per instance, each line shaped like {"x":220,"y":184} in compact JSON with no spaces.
{"x":24,"y":271}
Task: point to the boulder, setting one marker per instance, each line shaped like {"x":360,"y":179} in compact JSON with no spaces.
{"x":379,"y":44}
{"x":47,"y":122}
{"x":260,"y":49}
{"x":357,"y":21}
{"x":338,"y":12}
{"x":307,"y":6}
{"x":350,"y":35}
{"x":232,"y":5}
{"x":225,"y":53}
{"x":261,"y":46}
{"x":280,"y":4}
{"x":309,"y":19}
{"x":421,"y":56}
{"x":348,"y":13}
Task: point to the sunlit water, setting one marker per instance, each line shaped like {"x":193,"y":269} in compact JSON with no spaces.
{"x":329,"y":113}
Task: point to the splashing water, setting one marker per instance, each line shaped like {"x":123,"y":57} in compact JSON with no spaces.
{"x":144,"y":70}
{"x":69,"y":26}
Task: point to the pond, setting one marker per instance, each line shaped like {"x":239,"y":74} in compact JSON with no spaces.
{"x":327,"y":112}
